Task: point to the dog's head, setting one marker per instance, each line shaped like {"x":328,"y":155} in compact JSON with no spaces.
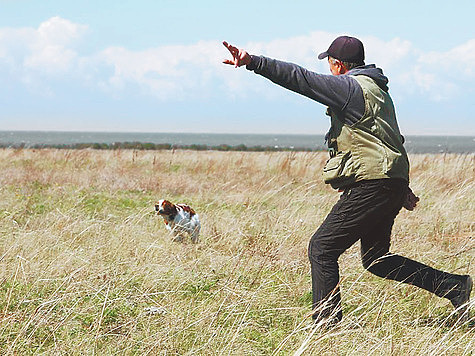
{"x":165,"y":208}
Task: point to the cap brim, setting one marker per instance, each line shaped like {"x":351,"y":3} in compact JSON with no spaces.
{"x":323,"y":55}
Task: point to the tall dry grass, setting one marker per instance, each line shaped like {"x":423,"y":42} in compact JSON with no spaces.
{"x":82,"y":256}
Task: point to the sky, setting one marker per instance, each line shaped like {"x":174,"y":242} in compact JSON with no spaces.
{"x":156,"y":66}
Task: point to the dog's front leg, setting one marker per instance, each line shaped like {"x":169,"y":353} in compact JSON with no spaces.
{"x":195,"y":235}
{"x":177,"y":236}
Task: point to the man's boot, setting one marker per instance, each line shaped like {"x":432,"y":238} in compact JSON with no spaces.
{"x":457,"y":289}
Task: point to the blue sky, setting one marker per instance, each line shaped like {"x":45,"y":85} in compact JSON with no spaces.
{"x":155,"y":66}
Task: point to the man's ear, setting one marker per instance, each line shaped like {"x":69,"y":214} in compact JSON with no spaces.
{"x":341,"y":68}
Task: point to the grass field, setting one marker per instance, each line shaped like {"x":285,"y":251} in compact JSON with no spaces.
{"x":82,"y":255}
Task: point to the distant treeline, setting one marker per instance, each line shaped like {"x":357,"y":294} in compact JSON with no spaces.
{"x":159,"y":146}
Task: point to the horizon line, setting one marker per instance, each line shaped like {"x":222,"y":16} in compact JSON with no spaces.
{"x":218,"y":133}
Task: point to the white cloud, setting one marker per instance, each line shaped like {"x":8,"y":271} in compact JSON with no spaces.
{"x":460,"y":59}
{"x":50,"y":51}
{"x":388,"y":54}
{"x":35,"y":55}
{"x":51,"y":46}
{"x":440,"y":75}
{"x":163,"y":71}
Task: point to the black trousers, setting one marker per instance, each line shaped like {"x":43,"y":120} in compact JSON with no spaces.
{"x":365,"y":212}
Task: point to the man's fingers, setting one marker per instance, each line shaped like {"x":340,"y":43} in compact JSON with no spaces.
{"x":228,"y":46}
{"x":240,"y":57}
{"x":411,"y":200}
{"x":411,"y":203}
{"x":414,"y":198}
{"x":233,"y":50}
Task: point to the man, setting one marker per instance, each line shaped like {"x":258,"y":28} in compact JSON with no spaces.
{"x":368,"y":164}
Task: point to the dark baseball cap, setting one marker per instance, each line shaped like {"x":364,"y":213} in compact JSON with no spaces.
{"x":345,"y":48}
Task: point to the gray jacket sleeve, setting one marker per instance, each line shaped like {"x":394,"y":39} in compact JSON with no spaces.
{"x":341,"y":93}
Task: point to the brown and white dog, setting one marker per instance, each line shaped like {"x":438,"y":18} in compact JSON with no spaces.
{"x":179,"y":219}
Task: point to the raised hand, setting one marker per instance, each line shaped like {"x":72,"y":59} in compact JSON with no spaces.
{"x":240,"y":57}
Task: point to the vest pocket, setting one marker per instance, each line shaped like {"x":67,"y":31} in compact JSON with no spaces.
{"x":337,"y":171}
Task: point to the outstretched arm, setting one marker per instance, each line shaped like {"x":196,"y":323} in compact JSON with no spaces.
{"x":240,"y":57}
{"x":337,"y":92}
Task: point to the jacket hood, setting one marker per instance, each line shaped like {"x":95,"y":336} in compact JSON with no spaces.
{"x":374,"y":73}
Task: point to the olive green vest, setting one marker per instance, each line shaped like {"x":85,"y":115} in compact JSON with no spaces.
{"x":372,"y":148}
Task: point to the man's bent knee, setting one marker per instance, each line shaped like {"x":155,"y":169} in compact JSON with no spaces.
{"x":375,"y":264}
